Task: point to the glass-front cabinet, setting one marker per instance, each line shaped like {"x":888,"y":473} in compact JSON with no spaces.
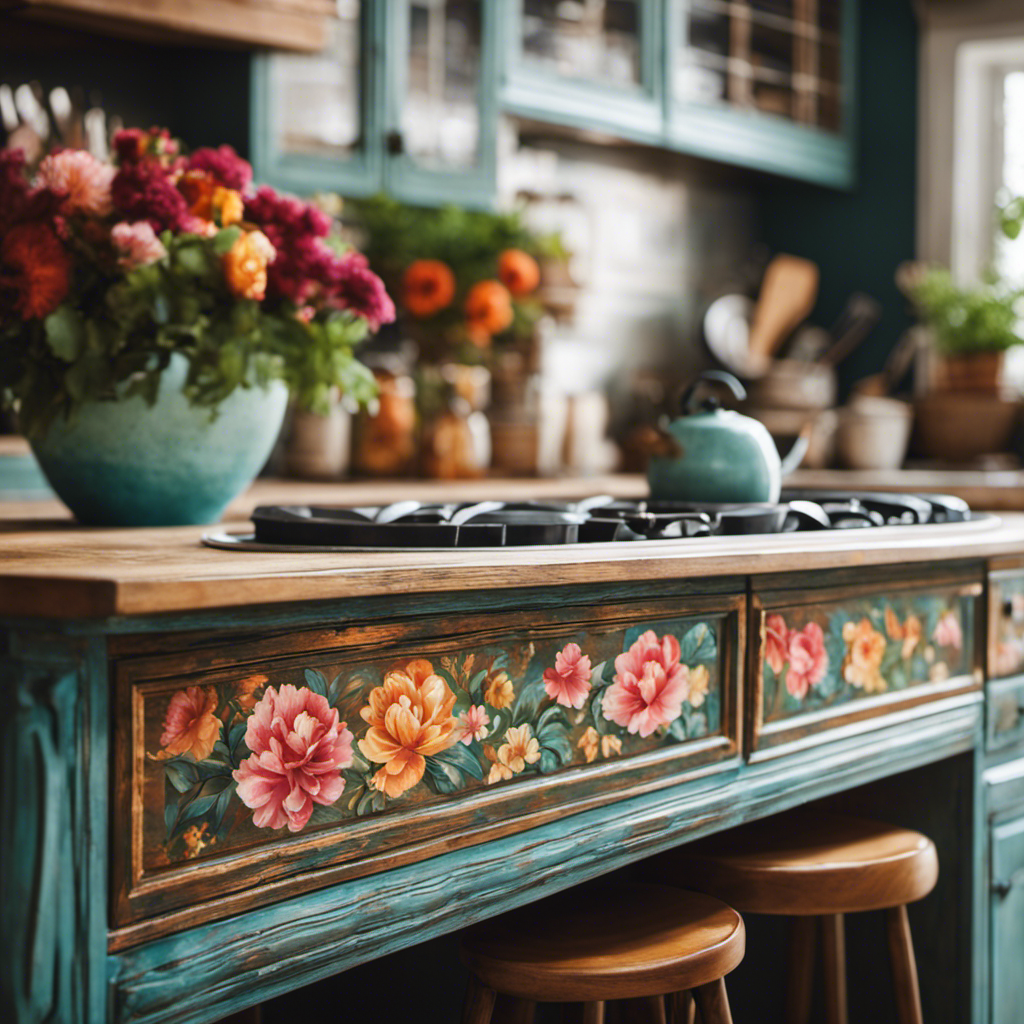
{"x":404,"y":100}
{"x":590,"y":63}
{"x":764,"y":83}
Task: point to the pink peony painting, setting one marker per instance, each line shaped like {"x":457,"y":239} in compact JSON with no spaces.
{"x":568,"y":683}
{"x":649,"y":686}
{"x":298,"y":750}
{"x":808,"y":659}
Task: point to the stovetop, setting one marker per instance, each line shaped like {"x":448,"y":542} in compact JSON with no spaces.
{"x":599,"y":519}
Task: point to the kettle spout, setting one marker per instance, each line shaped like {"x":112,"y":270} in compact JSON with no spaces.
{"x":796,"y":454}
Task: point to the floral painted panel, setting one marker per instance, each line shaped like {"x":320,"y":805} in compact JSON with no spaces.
{"x":1006,"y":606}
{"x":233,"y":761}
{"x":816,"y":657}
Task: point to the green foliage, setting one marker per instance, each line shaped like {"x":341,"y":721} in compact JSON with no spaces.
{"x":181,"y":303}
{"x":966,"y":319}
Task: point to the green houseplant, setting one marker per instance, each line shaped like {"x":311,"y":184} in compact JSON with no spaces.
{"x":155,"y":313}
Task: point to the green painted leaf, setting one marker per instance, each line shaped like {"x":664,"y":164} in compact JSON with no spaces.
{"x":461,"y":757}
{"x":181,"y":774}
{"x":443,"y":778}
{"x":677,"y":730}
{"x":328,"y":815}
{"x":316,"y":681}
{"x":477,"y":681}
{"x":698,"y":644}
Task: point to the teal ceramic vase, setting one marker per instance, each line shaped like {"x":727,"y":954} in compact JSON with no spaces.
{"x":128,"y":463}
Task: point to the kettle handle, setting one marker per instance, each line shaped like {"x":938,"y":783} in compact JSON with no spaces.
{"x":715,"y":376}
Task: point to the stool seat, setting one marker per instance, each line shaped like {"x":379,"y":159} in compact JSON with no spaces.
{"x":802,"y":863}
{"x":607,"y":942}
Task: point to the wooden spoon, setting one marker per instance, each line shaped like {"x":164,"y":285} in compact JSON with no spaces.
{"x":788,"y":293}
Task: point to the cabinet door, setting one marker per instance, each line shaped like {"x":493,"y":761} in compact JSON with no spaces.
{"x":592,"y":64}
{"x":441,"y":128}
{"x":764,"y":83}
{"x":1008,"y":921}
{"x":315,"y":117}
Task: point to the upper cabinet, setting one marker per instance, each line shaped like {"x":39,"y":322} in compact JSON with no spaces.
{"x":407,"y":94}
{"x":591,"y":63}
{"x":403,"y":99}
{"x":286,"y":24}
{"x":764,"y":83}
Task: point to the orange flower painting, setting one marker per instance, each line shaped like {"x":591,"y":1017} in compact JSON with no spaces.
{"x":409,"y":720}
{"x":866,"y":648}
{"x":190,"y":725}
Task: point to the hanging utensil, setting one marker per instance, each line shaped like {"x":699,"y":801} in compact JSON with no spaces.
{"x":788,"y":293}
{"x":855,"y":323}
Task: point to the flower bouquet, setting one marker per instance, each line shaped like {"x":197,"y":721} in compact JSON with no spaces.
{"x":154,"y":315}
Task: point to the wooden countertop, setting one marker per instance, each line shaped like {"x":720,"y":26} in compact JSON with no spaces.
{"x":49,"y":567}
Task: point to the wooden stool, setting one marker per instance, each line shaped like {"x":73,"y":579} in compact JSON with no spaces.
{"x":604,"y":942}
{"x":815,"y":867}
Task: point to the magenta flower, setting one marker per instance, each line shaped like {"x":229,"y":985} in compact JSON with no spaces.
{"x":568,"y":682}
{"x":650,"y":685}
{"x":948,"y":633}
{"x":808,"y":659}
{"x":143,"y":191}
{"x":224,"y":165}
{"x":298,"y":750}
{"x":473,"y":724}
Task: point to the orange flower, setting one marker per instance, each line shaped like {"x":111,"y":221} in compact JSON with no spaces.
{"x":488,"y":307}
{"x":41,"y":268}
{"x":428,"y":287}
{"x":520,"y":748}
{"x":518,"y":271}
{"x":190,"y":725}
{"x":865,"y":650}
{"x":245,"y":265}
{"x":589,"y":743}
{"x":247,"y":687}
{"x":409,"y":721}
{"x":499,"y":692}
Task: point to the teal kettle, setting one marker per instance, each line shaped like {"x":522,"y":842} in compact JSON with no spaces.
{"x":718,"y":456}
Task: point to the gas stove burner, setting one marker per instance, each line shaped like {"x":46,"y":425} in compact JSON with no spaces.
{"x":599,"y":519}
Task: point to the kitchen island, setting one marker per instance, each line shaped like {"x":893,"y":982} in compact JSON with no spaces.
{"x":148,"y":876}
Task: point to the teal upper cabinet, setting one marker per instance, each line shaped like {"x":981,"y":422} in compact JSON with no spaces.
{"x":593,"y":64}
{"x":767,"y":84}
{"x":404,"y":100}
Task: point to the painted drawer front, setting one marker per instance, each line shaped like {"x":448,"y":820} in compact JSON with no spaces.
{"x":277,"y":765}
{"x":1005,"y":713}
{"x":1006,"y":624}
{"x":830,"y":659}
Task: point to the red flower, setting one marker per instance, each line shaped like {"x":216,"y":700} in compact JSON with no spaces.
{"x":143,"y":191}
{"x":19,"y":202}
{"x":41,"y":269}
{"x":224,"y":165}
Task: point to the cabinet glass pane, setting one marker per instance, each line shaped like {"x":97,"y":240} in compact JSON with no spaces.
{"x":597,"y":40}
{"x":440,"y":111}
{"x":777,"y":57}
{"x":318,"y":109}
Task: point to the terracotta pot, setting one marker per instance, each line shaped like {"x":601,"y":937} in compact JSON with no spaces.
{"x":980,"y":372}
{"x":961,"y":426}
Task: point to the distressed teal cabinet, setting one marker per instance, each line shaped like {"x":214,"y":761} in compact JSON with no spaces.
{"x":404,"y":100}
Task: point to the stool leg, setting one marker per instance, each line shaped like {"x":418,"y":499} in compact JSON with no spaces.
{"x":479,"y":1003}
{"x":801,"y":969}
{"x":593,"y":1013}
{"x":904,"y":966}
{"x":683,"y":1009}
{"x":834,"y":943}
{"x":713,"y":1003}
{"x":511,"y":1010}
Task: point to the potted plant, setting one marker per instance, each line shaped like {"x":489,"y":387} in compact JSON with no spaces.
{"x":155,"y":313}
{"x":467,"y":287}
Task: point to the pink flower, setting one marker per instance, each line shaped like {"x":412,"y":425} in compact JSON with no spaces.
{"x":84,"y":181}
{"x":473,"y":724}
{"x":298,"y":750}
{"x":776,"y":642}
{"x":650,"y":685}
{"x":568,"y":682}
{"x":137,"y":244}
{"x":808,"y":659}
{"x":948,"y":633}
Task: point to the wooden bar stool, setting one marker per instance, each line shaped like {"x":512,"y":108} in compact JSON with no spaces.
{"x":605,"y":942}
{"x":816,"y":867}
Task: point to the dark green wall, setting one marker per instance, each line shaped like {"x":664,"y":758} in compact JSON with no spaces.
{"x":859,"y":237}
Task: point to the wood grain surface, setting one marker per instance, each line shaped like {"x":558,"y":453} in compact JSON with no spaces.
{"x":58,"y":570}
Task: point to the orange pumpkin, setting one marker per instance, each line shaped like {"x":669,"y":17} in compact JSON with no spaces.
{"x":518,"y":271}
{"x":488,"y":307}
{"x":427,"y":287}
